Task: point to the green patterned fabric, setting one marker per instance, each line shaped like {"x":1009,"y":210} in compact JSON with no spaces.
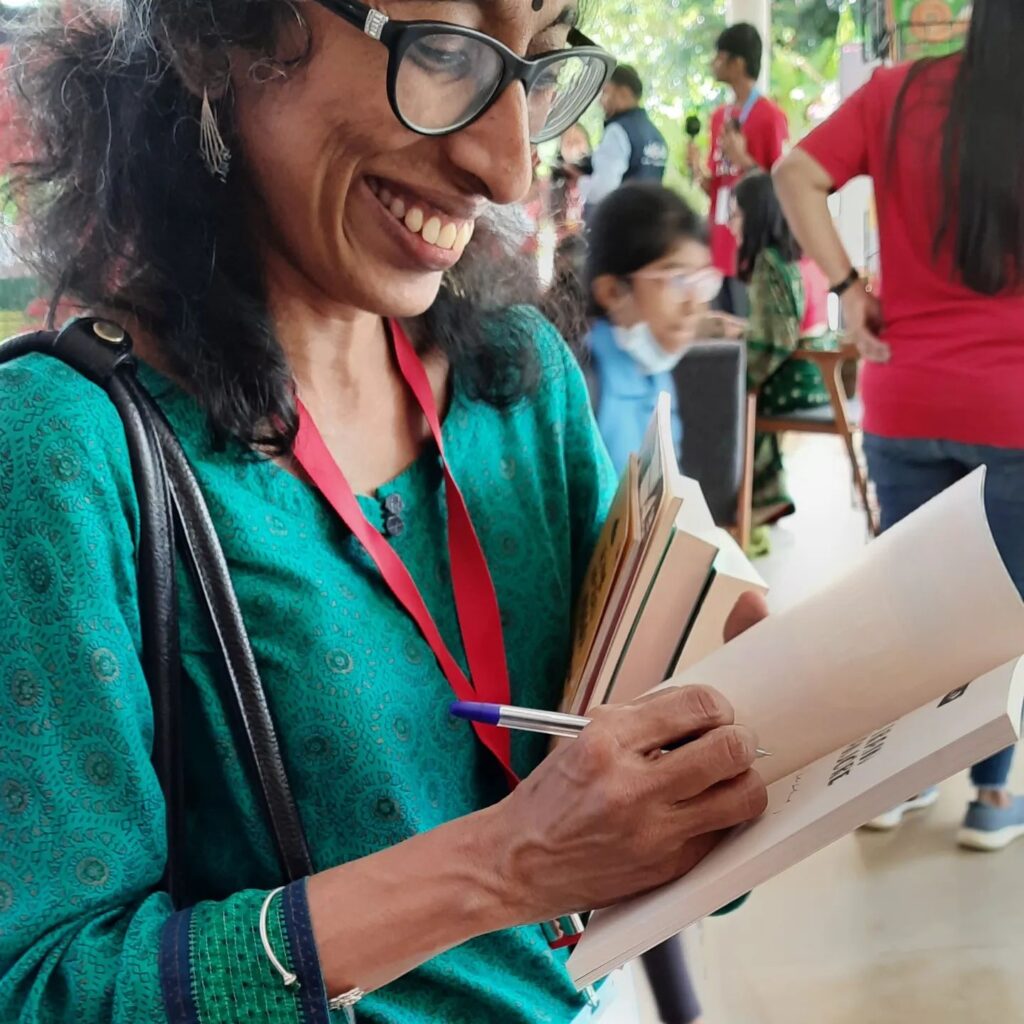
{"x":777,"y":304}
{"x":359,"y":701}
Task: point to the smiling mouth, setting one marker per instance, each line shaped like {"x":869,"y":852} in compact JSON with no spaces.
{"x":433,"y":226}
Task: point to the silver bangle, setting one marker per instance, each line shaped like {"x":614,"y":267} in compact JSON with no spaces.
{"x":346,"y":1000}
{"x":343,"y":1002}
{"x":287,"y":976}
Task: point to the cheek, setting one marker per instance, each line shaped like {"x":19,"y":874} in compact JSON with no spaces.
{"x":300,"y":142}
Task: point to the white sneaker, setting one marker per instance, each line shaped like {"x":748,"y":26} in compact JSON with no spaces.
{"x":894,"y":818}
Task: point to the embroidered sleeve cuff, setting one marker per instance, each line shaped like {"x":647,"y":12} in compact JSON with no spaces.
{"x":213,"y":968}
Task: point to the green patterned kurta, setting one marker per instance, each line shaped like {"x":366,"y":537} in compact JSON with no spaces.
{"x":777,"y":306}
{"x":360,"y":703}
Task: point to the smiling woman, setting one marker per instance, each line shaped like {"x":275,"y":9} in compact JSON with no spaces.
{"x":398,"y":458}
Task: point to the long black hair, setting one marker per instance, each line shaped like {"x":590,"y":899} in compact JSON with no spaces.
{"x":982,"y":156}
{"x":637,"y":225}
{"x":764,"y":224}
{"x":119,"y":213}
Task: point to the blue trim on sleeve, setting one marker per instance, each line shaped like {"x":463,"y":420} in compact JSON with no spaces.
{"x":176,"y":971}
{"x":312,"y":995}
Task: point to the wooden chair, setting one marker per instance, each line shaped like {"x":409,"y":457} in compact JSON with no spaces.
{"x":841,"y":417}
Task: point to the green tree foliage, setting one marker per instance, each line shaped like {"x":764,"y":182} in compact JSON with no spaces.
{"x":672,"y":44}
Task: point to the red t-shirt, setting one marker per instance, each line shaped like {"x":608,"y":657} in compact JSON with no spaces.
{"x":957,"y":367}
{"x":766,"y":131}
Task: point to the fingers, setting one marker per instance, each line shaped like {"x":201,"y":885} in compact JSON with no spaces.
{"x":716,"y":757}
{"x":666,"y":718}
{"x":726,"y":805}
{"x":749,"y":610}
{"x":871,"y":347}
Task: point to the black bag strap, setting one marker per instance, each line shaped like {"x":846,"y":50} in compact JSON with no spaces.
{"x":173,"y":512}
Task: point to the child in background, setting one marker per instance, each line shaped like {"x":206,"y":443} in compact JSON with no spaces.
{"x":650,"y":282}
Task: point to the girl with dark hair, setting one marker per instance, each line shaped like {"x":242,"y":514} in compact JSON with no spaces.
{"x":770,"y":265}
{"x":326,"y":304}
{"x":649,"y":282}
{"x":943,"y":140}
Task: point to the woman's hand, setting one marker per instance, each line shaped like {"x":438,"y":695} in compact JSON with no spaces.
{"x":721,"y":326}
{"x":862,"y":315}
{"x":611,"y":815}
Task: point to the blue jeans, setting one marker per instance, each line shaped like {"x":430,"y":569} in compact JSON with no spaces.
{"x":909,"y":473}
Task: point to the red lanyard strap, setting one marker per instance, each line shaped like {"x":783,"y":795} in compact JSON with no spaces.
{"x":476,"y":602}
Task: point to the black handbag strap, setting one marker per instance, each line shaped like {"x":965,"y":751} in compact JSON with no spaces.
{"x":174,"y":513}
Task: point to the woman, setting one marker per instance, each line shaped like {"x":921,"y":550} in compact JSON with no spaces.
{"x":236,"y":182}
{"x":770,"y":265}
{"x":943,"y":140}
{"x":650,"y":279}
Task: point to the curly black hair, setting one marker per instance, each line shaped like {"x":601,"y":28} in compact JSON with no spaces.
{"x":118,"y":212}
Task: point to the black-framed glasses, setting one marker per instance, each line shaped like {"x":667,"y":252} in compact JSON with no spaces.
{"x":442,"y":77}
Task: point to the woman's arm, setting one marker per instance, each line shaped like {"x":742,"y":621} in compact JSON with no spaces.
{"x":597,"y":822}
{"x":803,"y":187}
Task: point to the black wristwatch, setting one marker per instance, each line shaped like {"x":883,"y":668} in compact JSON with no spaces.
{"x":846,"y":284}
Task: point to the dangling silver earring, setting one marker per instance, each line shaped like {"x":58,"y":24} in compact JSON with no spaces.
{"x":214,"y":151}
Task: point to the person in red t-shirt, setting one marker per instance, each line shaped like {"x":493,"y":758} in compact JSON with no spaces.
{"x":943,"y":387}
{"x":747,"y":134}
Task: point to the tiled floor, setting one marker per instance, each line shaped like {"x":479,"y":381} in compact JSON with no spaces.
{"x":878,"y":929}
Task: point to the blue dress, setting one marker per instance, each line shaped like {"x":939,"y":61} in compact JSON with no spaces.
{"x":626,"y":396}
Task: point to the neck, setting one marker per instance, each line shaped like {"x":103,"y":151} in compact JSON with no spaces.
{"x":743,"y":89}
{"x":348,"y":379}
{"x":338,"y":354}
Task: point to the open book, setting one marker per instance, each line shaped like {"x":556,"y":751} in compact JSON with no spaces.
{"x":861,"y":694}
{"x":657,"y":583}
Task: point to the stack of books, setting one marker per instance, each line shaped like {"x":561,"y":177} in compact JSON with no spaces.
{"x":661,"y":583}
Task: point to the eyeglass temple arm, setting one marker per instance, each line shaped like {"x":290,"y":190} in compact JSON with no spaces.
{"x":577,"y":38}
{"x":367,"y":19}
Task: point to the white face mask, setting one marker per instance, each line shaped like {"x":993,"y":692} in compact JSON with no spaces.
{"x":639,"y":342}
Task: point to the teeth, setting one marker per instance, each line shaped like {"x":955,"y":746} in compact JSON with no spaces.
{"x":414,"y":220}
{"x":449,"y":233}
{"x":432,"y":231}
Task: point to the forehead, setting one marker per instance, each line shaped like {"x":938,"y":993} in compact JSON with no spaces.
{"x":545,"y":12}
{"x":687,"y":253}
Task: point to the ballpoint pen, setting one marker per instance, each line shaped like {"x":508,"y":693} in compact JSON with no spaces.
{"x":550,"y":723}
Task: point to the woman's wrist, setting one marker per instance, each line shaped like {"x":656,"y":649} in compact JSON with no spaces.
{"x":379,"y":917}
{"x":496,"y":898}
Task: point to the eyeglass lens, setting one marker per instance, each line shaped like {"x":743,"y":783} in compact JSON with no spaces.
{"x":702,"y":286}
{"x":445,"y":80}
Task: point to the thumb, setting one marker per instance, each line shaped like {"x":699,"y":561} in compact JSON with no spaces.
{"x":750,"y":609}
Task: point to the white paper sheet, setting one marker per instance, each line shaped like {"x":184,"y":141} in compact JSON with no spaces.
{"x":929,"y":605}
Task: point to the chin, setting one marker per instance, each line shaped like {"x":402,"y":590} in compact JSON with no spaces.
{"x":684,"y":338}
{"x":393,"y":294}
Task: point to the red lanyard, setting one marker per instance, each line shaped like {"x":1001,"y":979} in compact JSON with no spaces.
{"x":476,"y":602}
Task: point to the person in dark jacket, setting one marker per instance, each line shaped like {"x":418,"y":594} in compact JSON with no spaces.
{"x":632,"y":148}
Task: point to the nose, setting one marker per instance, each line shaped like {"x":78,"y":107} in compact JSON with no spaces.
{"x":496,"y":149}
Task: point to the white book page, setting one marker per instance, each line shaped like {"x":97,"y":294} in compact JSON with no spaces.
{"x":929,"y":605}
{"x":812,"y":808}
